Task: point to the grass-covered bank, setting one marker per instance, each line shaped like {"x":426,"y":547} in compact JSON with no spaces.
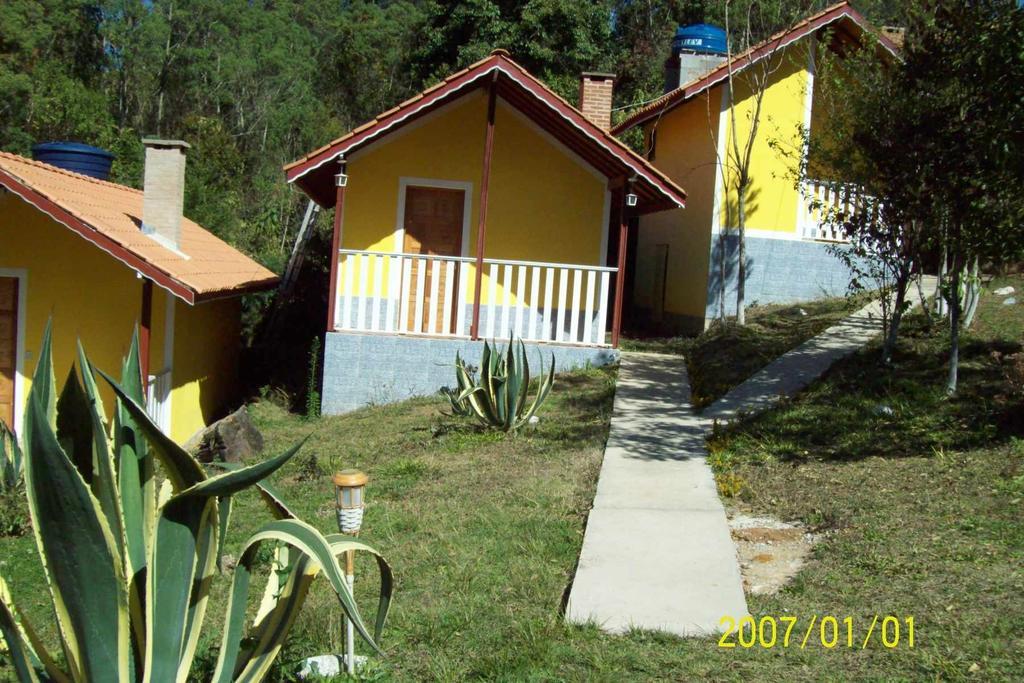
{"x":922,"y":495}
{"x":922,"y":509}
{"x":726,"y":353}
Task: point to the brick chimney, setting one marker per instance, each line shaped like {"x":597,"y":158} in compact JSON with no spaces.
{"x":163,"y":197}
{"x":596,"y":98}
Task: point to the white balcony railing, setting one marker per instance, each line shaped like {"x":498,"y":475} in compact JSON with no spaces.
{"x":825,"y":202}
{"x":158,"y":392}
{"x":417,"y":294}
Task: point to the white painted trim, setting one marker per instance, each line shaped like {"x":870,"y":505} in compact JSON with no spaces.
{"x":169,"y":360}
{"x":421,"y":121}
{"x":765,"y":234}
{"x":717,"y":212}
{"x":21,"y":275}
{"x":801,"y":208}
{"x":404,"y":182}
{"x":413,"y":110}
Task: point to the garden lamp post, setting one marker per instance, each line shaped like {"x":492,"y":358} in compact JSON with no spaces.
{"x":349,"y":489}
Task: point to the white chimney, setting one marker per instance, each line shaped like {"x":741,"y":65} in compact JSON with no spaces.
{"x":164,"y":190}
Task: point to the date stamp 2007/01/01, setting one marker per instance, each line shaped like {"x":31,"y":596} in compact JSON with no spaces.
{"x":821,"y":631}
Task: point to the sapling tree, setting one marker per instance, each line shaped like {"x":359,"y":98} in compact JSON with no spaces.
{"x":958,"y":132}
{"x":749,"y":76}
{"x":851,"y":147}
{"x":937,"y":137}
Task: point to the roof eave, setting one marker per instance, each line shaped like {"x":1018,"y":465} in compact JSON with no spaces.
{"x":682,"y":94}
{"x":455,"y":87}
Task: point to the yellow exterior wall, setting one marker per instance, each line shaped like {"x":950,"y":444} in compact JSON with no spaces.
{"x":93,"y":297}
{"x":685,"y":151}
{"x":543,"y":204}
{"x":688,"y":149}
{"x":773,"y":198}
{"x":205,"y":374}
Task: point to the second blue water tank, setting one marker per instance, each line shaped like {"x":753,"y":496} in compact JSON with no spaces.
{"x":700,"y":38}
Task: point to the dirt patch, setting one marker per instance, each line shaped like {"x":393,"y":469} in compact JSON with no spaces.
{"x":771,"y":552}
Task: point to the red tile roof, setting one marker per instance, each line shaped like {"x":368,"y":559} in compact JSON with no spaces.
{"x":314,"y":172}
{"x":109,"y":215}
{"x":842,"y":11}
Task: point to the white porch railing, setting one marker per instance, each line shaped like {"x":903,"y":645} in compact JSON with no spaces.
{"x":417,"y":294}
{"x":158,"y":390}
{"x":823,"y":200}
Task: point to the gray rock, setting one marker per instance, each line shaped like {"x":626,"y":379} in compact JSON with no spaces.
{"x":1009,"y":301}
{"x":232,"y":439}
{"x":328,"y":665}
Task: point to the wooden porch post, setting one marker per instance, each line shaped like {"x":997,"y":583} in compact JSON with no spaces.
{"x":620,"y":276}
{"x":481,"y":229}
{"x":145,"y":330}
{"x":340,"y":181}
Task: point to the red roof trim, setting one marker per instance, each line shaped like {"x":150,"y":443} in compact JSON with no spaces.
{"x":83,"y":229}
{"x":751,"y":56}
{"x":396,"y":115}
{"x":462,"y":81}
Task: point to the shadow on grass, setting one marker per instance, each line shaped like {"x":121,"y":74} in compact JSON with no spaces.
{"x":862,"y":409}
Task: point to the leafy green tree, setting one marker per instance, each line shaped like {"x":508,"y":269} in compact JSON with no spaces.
{"x":938,"y":138}
{"x":554,"y":39}
{"x":960,"y":126}
{"x":51,"y":62}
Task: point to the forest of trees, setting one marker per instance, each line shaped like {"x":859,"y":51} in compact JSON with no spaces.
{"x":253,"y":84}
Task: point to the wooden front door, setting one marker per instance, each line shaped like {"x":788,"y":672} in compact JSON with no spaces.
{"x":8,"y":347}
{"x":433,"y":225}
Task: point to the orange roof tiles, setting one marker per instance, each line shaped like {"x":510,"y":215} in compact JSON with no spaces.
{"x":110,"y":215}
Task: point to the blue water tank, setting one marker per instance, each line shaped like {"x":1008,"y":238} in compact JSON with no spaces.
{"x":700,"y":38}
{"x":75,"y":156}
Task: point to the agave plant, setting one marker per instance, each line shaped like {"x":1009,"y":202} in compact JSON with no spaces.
{"x":130,"y":560}
{"x":499,"y":398}
{"x":11,"y":468}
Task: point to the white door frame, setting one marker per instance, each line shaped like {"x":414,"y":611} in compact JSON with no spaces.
{"x":405,"y":182}
{"x":21,"y":275}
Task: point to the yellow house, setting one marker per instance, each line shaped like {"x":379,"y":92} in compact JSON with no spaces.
{"x":684,"y":256}
{"x":483,"y":208}
{"x":100,"y":259}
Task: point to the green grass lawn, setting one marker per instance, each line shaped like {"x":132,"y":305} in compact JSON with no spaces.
{"x":922,"y":507}
{"x":726,"y":354}
{"x":921,"y":512}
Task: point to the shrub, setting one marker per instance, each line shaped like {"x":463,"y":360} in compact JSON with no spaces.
{"x":130,"y":567}
{"x":499,"y":398}
{"x":11,"y":460}
{"x":313,"y":381}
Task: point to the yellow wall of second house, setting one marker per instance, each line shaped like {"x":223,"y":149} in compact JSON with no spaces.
{"x":543,"y":204}
{"x":205,"y":373}
{"x":94,"y":298}
{"x":772,"y":199}
{"x":685,"y":151}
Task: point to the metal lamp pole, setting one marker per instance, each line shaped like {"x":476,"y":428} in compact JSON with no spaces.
{"x":350,"y":487}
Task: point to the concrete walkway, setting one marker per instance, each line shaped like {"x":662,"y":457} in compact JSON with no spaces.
{"x":657,"y":553}
{"x":791,"y":372}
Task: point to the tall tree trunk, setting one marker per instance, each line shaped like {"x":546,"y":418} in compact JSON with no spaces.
{"x":973,"y":294}
{"x":741,"y":255}
{"x":940,"y":299}
{"x":954,"y":324}
{"x":722,"y":245}
{"x":902,"y":283}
